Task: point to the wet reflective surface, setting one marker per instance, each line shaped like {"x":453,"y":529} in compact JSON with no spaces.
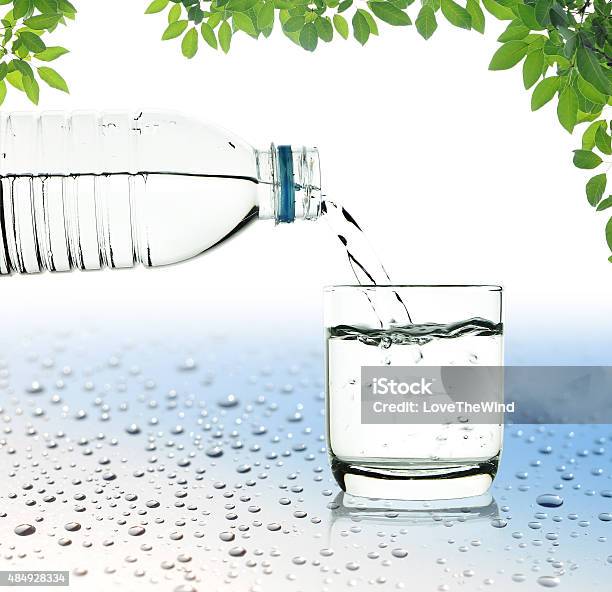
{"x":201,"y":465}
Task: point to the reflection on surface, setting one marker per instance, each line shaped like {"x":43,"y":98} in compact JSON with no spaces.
{"x":346,"y":507}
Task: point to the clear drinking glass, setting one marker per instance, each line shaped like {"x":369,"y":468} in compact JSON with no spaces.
{"x":448,"y":326}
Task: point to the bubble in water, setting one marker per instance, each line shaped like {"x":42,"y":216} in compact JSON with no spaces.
{"x":25,"y":529}
{"x":549,"y":500}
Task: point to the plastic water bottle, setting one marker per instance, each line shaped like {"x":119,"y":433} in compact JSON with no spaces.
{"x":91,"y":190}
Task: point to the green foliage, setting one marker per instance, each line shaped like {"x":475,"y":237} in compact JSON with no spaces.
{"x":24,"y":29}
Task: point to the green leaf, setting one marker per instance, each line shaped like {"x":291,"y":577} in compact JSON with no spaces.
{"x":243,"y":22}
{"x":542,"y":10}
{"x":605,"y":204}
{"x":532,"y":68}
{"x":20,"y":9}
{"x":175,"y":13}
{"x":478,"y":18}
{"x":341,"y":26}
{"x":389,"y":13}
{"x":309,"y":37}
{"x":51,"y":53}
{"x":527,"y":14}
{"x":40,"y":22}
{"x":208,"y":34}
{"x":370,"y":20}
{"x":2,"y":91}
{"x":361,"y":29}
{"x":31,"y":89}
{"x":3,"y":70}
{"x":294,"y":24}
{"x":426,"y":23}
{"x":602,"y":141}
{"x":588,"y":91}
{"x":15,"y":79}
{"x":32,"y":41}
{"x":515,"y":31}
{"x":456,"y":15}
{"x":595,"y":188}
{"x":265,"y":17}
{"x":588,"y":137}
{"x":156,"y":6}
{"x":567,"y":108}
{"x":241,"y":5}
{"x":609,"y":234}
{"x":24,"y":68}
{"x":585,"y":159}
{"x":52,"y":78}
{"x":591,"y":71}
{"x":225,"y":36}
{"x":189,"y":45}
{"x":508,"y":55}
{"x":214,"y":19}
{"x":544,"y":92}
{"x":66,"y":8}
{"x":325,"y":29}
{"x":498,"y":11}
{"x":174,"y":30}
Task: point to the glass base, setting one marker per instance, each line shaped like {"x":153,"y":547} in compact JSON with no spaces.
{"x":413,"y":480}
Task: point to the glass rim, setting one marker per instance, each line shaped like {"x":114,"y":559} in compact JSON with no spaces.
{"x":488,"y":287}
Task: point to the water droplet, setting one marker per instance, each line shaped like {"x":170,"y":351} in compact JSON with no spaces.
{"x":549,"y":500}
{"x":136,"y":530}
{"x":228,"y":401}
{"x":214,"y":451}
{"x":25,"y":530}
{"x":548,"y":581}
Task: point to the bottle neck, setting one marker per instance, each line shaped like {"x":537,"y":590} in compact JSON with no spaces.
{"x":290,"y":183}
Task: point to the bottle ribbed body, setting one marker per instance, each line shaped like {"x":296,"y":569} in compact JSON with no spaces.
{"x":90,"y":190}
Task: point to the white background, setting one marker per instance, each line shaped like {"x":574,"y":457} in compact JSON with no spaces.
{"x":442,"y":162}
